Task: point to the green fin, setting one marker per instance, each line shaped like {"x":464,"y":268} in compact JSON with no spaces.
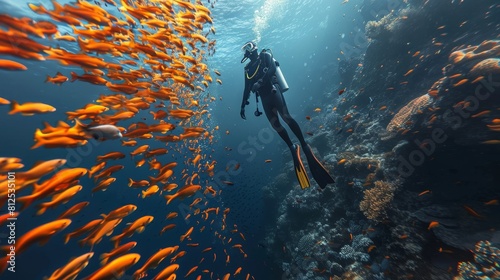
{"x":318,"y":171}
{"x":300,"y":170}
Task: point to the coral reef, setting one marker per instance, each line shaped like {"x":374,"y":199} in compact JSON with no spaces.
{"x":486,"y":266}
{"x":376,"y":200}
{"x":403,"y":119}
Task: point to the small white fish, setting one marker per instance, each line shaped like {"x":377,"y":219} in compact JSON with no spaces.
{"x":103,"y":132}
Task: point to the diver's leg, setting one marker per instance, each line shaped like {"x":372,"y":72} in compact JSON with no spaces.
{"x":272,"y":116}
{"x":268,"y":102}
{"x":319,"y":172}
{"x":279,"y":100}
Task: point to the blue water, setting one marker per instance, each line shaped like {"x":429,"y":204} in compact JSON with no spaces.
{"x":305,"y":37}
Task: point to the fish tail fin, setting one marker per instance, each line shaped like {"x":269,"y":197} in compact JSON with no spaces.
{"x":71,"y":115}
{"x":67,"y":237}
{"x":37,"y":9}
{"x":40,"y":142}
{"x":104,"y":259}
{"x":57,"y":7}
{"x":80,"y":126}
{"x":14,"y":106}
{"x":182,"y":237}
{"x":48,"y":78}
{"x":38,"y":134}
{"x":81,"y":43}
{"x":130,"y":182}
{"x":74,"y":76}
{"x":169,"y":198}
{"x":143,"y":194}
{"x":152,"y":180}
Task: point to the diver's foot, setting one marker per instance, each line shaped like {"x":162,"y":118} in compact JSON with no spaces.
{"x":300,"y":170}
{"x":318,"y":171}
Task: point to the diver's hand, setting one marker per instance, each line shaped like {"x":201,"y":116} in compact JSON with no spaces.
{"x":257,"y":85}
{"x":242,"y":113}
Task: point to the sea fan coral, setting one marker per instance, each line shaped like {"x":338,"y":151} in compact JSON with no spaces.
{"x":377,"y":199}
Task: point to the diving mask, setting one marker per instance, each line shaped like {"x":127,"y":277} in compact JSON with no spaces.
{"x":247,"y":49}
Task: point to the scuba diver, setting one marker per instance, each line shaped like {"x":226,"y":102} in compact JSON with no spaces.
{"x":263,"y":77}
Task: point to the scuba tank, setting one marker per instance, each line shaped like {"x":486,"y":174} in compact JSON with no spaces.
{"x":279,"y":78}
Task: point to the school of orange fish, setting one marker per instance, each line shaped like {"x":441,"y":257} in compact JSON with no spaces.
{"x":149,"y":53}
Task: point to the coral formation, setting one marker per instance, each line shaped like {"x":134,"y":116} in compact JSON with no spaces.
{"x":377,"y":199}
{"x":486,"y":266}
{"x":402,"y":120}
{"x":383,"y":27}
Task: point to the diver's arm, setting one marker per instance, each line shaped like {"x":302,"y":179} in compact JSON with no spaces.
{"x":246,"y":95}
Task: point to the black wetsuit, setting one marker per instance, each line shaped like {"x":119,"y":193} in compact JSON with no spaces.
{"x":271,"y":96}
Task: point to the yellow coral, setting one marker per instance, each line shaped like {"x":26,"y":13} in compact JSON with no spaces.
{"x":377,"y":199}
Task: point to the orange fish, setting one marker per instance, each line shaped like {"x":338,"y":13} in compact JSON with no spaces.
{"x":142,"y":183}
{"x":72,"y":268}
{"x":138,"y":225}
{"x":150,"y":191}
{"x":168,"y":272}
{"x":115,"y":268}
{"x":117,"y":251}
{"x":59,"y":198}
{"x":4,"y":101}
{"x":58,"y":79}
{"x":111,"y":155}
{"x":11,"y":65}
{"x":408,"y":73}
{"x":472,"y":212}
{"x":73,"y":210}
{"x":191,"y":271}
{"x":432,"y":224}
{"x":30,"y":108}
{"x":187,"y":234}
{"x":38,"y":234}
{"x":492,"y":202}
{"x":167,"y":227}
{"x":480,"y":114}
{"x":424,"y":192}
{"x":461,"y":82}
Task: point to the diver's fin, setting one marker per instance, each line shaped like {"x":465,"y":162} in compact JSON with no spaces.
{"x":318,"y":171}
{"x":300,"y":170}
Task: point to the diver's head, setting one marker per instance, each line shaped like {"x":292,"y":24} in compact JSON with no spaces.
{"x":249,"y":50}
